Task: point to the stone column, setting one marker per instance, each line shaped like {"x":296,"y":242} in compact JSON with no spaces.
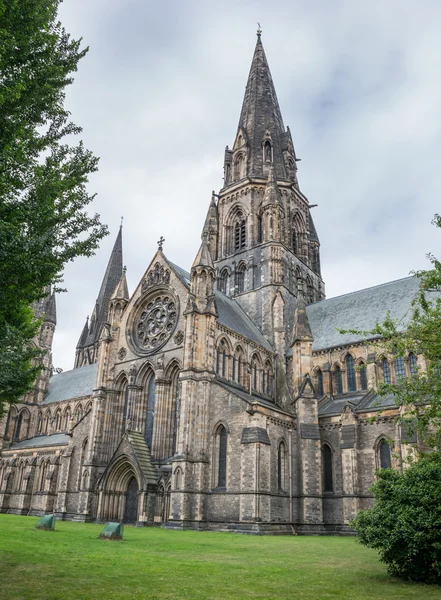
{"x":348,"y":448}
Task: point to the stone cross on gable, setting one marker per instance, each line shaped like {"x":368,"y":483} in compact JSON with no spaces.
{"x":160,"y":242}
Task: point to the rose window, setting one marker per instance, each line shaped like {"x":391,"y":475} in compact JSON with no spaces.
{"x":156,"y":322}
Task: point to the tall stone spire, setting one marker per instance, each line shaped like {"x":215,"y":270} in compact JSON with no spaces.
{"x":261,"y":138}
{"x":112,"y":277}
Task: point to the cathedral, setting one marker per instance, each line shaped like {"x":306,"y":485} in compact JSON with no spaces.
{"x":223,"y":398}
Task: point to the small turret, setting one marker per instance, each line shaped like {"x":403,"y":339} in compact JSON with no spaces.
{"x":211,"y":226}
{"x":202,"y":275}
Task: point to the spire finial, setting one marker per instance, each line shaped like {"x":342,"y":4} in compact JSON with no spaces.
{"x":259,"y":31}
{"x":121,"y":224}
{"x":124,"y":269}
{"x":160,"y":243}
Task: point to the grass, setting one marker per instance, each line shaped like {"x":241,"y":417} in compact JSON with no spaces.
{"x":155,"y":564}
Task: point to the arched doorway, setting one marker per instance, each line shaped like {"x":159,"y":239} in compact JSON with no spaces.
{"x":131,"y":506}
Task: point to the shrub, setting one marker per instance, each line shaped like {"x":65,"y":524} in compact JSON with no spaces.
{"x":404,"y":524}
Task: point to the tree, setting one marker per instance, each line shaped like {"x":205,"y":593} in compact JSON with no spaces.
{"x":418,"y":333}
{"x":404,"y":524}
{"x":43,"y":177}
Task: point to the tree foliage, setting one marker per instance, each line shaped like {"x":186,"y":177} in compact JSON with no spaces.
{"x":404,"y":524}
{"x":43,"y":176}
{"x":418,"y":332}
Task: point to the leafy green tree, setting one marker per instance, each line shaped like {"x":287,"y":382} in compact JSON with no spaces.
{"x":404,"y":524}
{"x":43,"y":175}
{"x":419,"y":333}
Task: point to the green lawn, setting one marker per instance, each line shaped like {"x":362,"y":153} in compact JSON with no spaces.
{"x":72,"y":564}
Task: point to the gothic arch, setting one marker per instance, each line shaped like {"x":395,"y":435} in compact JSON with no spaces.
{"x":224,"y":278}
{"x":47,"y":422}
{"x":78,"y":413}
{"x":383,"y":452}
{"x":328,"y":467}
{"x":58,"y":419}
{"x":298,"y":234}
{"x":256,"y":371}
{"x":66,"y":417}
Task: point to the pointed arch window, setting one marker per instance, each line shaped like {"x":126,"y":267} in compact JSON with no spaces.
{"x":350,"y":373}
{"x":338,"y":380}
{"x":58,"y":420}
{"x":259,"y":229}
{"x":328,"y":483}
{"x":240,"y":234}
{"x":240,"y":278}
{"x":18,"y":425}
{"x":281,"y":467}
{"x":150,"y":416}
{"x":320,"y":390}
{"x":400,"y":369}
{"x":363,"y":376}
{"x":221,"y":359}
{"x":267,"y":152}
{"x":223,"y":281}
{"x":309,"y":291}
{"x":294,"y":241}
{"x":66,"y":418}
{"x":413,"y":364}
{"x":386,"y":371}
{"x":384,"y":455}
{"x":222,"y":457}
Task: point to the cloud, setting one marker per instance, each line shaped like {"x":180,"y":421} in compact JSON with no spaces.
{"x":159,"y":96}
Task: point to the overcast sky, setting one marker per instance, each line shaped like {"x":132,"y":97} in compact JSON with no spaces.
{"x":159,"y":96}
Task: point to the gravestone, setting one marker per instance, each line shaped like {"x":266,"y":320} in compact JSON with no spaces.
{"x":112,"y":531}
{"x":47,"y":522}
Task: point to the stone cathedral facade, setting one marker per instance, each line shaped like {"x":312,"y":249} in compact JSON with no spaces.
{"x":223,"y":398}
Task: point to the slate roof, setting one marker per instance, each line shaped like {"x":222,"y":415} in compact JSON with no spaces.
{"x":58,"y":439}
{"x":72,"y":384}
{"x":241,"y":393}
{"x":183,"y":275}
{"x":142,"y":454}
{"x":231,"y":315}
{"x":369,"y":401}
{"x":360,"y":310}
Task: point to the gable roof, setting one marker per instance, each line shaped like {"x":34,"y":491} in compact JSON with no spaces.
{"x":360,"y":310}
{"x":361,"y":402}
{"x":40,"y":441}
{"x":72,"y":384}
{"x":231,"y":315}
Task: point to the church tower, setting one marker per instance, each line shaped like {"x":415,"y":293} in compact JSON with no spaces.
{"x":265,"y":241}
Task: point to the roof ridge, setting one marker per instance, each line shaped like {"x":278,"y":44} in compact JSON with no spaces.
{"x":364,"y":289}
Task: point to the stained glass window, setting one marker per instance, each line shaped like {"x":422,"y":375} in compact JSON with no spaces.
{"x":385,"y":458}
{"x":327,"y":469}
{"x":222,"y":458}
{"x":363,"y":377}
{"x":413,"y":364}
{"x":400,"y":369}
{"x":350,"y":373}
{"x":150,"y":417}
{"x":338,"y":380}
{"x":386,"y":371}
{"x":320,"y":391}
